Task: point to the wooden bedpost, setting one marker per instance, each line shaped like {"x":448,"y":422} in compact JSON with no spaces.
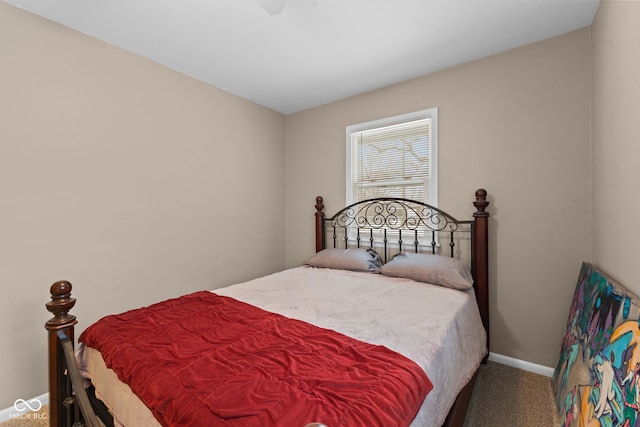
{"x":320,"y":233}
{"x":60,"y":304}
{"x":481,"y":255}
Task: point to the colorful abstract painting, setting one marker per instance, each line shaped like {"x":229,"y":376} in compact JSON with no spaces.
{"x":597,"y":380}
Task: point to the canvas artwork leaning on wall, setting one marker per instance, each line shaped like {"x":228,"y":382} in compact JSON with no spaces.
{"x":597,"y":379}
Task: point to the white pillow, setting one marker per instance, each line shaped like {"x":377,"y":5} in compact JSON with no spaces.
{"x":354,"y":259}
{"x":435,"y":269}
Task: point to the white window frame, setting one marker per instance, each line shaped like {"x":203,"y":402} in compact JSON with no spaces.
{"x":431,"y":113}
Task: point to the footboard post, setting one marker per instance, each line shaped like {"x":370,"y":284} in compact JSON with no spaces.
{"x":481,"y":256}
{"x":60,"y":304}
{"x":320,"y":232}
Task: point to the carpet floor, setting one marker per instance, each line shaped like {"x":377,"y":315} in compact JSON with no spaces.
{"x":506,"y":396}
{"x":502,"y":396}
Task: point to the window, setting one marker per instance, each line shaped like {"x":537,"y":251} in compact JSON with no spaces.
{"x":394,"y":157}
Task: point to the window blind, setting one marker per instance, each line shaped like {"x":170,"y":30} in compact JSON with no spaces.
{"x":393,"y":161}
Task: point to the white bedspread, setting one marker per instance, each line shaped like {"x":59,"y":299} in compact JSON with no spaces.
{"x":438,"y":328}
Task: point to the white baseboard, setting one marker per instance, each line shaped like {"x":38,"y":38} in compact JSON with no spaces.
{"x":521,"y":364}
{"x":34,"y":402}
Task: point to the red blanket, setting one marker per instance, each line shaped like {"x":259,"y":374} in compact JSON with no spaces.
{"x":208,"y":360}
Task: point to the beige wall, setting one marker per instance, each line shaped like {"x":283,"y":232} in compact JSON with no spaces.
{"x":616,"y":144}
{"x":119,"y":175}
{"x":516,"y":124}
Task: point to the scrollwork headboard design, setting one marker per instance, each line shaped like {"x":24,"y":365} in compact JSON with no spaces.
{"x":397,"y":222}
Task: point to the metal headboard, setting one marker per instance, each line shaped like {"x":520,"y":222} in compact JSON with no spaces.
{"x":394,"y":225}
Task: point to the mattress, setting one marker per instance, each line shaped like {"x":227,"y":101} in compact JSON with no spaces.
{"x":438,"y":328}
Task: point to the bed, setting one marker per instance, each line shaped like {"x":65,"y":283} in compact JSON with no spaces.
{"x":387,"y":324}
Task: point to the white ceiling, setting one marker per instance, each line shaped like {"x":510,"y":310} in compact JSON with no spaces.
{"x":314,"y":51}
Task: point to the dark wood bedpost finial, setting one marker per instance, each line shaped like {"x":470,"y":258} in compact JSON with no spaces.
{"x":320,"y":235}
{"x":60,"y":304}
{"x":481,"y":255}
{"x":319,"y":206}
{"x":481,"y":203}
